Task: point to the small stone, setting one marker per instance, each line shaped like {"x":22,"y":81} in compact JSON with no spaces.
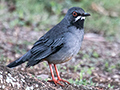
{"x":116,"y":76}
{"x":43,"y":76}
{"x":36,"y":85}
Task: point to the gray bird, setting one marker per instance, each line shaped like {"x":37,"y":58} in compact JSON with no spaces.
{"x":59,"y":44}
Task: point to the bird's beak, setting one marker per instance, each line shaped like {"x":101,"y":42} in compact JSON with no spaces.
{"x":85,"y":14}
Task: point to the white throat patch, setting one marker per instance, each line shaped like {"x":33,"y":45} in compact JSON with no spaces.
{"x":82,"y":18}
{"x":77,"y":18}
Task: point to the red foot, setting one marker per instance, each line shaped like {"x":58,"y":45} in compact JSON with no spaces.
{"x":53,"y":78}
{"x":63,"y":80}
{"x":56,"y":82}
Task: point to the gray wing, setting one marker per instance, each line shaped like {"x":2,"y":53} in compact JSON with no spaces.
{"x":44,"y":48}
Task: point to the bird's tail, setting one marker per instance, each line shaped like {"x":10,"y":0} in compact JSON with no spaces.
{"x":21,"y":60}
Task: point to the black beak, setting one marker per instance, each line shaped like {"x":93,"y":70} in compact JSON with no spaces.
{"x":85,"y":14}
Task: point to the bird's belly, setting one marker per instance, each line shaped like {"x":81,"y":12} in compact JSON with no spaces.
{"x":58,"y":59}
{"x":64,"y":54}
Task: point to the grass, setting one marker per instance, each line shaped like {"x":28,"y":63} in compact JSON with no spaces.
{"x":2,"y":58}
{"x":82,"y":82}
{"x":88,"y":83}
{"x":108,"y":67}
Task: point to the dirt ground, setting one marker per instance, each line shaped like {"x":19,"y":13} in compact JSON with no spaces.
{"x":98,"y":62}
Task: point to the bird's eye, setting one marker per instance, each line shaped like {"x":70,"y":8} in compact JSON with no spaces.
{"x":74,"y":14}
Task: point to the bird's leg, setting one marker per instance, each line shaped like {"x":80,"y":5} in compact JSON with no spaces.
{"x":58,"y":76}
{"x":53,"y":78}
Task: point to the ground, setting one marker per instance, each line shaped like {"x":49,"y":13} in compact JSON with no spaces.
{"x":95,"y":66}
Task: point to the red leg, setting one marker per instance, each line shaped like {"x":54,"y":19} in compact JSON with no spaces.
{"x":53,"y":78}
{"x":59,"y":79}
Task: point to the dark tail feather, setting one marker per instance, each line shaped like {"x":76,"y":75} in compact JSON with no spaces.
{"x":21,"y":60}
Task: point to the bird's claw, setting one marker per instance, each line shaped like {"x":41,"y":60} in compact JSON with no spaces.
{"x":63,"y":80}
{"x":56,"y":82}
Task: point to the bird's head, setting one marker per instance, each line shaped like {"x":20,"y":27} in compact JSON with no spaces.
{"x":76,"y":16}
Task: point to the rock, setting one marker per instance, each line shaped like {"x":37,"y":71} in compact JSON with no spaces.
{"x":11,"y":79}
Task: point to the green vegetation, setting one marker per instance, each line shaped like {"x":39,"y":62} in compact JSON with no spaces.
{"x":108,"y":67}
{"x":2,"y":58}
{"x":40,"y":13}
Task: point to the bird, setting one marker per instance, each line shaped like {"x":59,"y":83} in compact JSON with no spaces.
{"x":59,"y":45}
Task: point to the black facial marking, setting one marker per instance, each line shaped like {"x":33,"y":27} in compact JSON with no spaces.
{"x":79,"y":24}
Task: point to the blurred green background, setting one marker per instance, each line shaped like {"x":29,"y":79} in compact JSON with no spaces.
{"x":43,"y":14}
